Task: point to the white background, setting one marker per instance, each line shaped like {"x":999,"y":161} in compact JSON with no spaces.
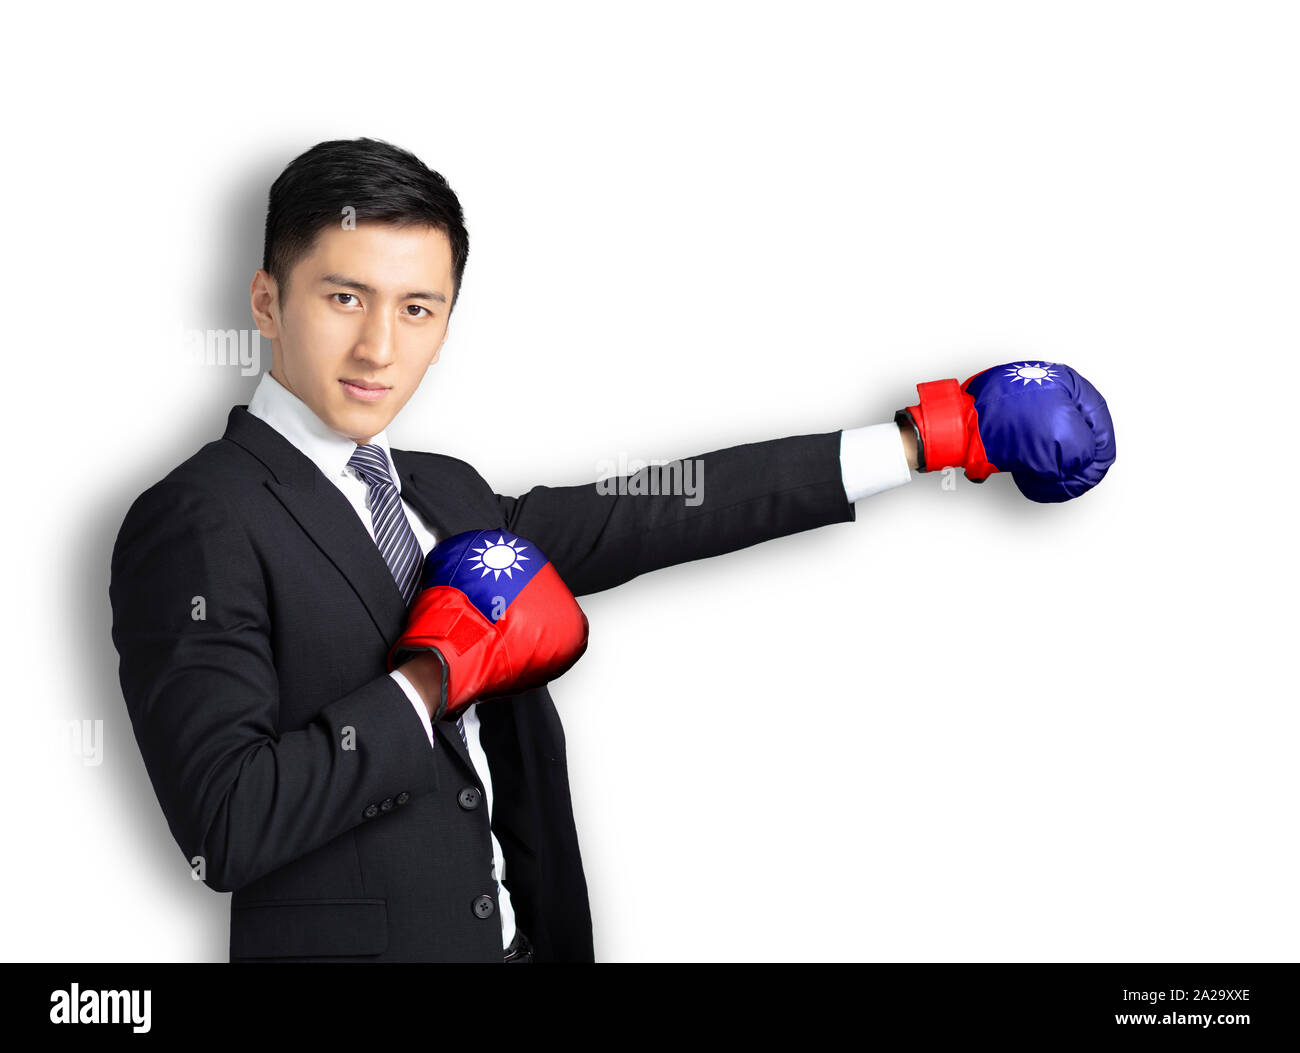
{"x":965,"y":727}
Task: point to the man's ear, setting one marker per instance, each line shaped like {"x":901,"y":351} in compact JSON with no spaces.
{"x":264,"y":300}
{"x":438,"y":350}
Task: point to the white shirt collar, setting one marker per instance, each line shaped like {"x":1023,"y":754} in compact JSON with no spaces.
{"x":330,"y":451}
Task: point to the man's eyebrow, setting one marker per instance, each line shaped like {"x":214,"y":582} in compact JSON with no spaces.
{"x":352,"y":283}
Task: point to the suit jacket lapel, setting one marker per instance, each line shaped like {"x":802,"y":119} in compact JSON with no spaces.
{"x":325,"y":516}
{"x":455,"y":511}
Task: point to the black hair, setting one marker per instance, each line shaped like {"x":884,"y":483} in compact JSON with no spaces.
{"x":382,"y":182}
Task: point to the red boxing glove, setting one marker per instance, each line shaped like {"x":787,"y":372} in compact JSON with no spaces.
{"x":495,"y":612}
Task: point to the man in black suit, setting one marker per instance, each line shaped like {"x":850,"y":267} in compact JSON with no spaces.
{"x":254,"y":608}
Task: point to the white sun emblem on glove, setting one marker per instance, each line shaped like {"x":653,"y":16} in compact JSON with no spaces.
{"x":500,"y":555}
{"x":1027,"y":371}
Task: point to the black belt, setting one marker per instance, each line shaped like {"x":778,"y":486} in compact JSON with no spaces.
{"x":520,"y":950}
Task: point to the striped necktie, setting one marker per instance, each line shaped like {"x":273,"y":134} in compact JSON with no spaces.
{"x":393,"y":534}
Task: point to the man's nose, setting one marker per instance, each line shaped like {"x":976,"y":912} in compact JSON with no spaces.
{"x":376,"y":343}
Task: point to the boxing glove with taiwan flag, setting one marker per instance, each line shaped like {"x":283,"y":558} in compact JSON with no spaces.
{"x":494,"y":611}
{"x":1040,"y":421}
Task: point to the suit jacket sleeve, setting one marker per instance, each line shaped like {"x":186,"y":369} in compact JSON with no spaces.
{"x":203,"y":700}
{"x":598,"y":539}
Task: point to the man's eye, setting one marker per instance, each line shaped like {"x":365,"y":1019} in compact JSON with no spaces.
{"x":347,"y":294}
{"x":418,"y":308}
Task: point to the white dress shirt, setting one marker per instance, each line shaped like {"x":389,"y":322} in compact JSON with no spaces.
{"x":872,"y":459}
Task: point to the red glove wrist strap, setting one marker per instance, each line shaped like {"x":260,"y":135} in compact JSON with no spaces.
{"x":948,"y":425}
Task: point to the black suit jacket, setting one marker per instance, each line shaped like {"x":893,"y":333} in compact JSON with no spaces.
{"x":253,"y":614}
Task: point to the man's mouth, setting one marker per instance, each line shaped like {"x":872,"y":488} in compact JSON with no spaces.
{"x":364,"y":390}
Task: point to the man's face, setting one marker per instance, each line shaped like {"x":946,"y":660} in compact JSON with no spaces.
{"x":364,"y":316}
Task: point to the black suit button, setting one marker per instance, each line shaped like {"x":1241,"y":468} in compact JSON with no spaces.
{"x":387,"y":806}
{"x":484,"y":907}
{"x":403,"y":797}
{"x":468,"y":798}
{"x":371,"y":811}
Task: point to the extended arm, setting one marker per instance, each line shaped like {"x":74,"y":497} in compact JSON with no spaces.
{"x":600,"y":535}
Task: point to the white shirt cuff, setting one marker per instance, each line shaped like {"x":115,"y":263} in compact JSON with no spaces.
{"x":420,"y":708}
{"x":872,"y":459}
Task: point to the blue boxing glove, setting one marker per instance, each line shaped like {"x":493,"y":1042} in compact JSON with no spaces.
{"x":1040,"y":421}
